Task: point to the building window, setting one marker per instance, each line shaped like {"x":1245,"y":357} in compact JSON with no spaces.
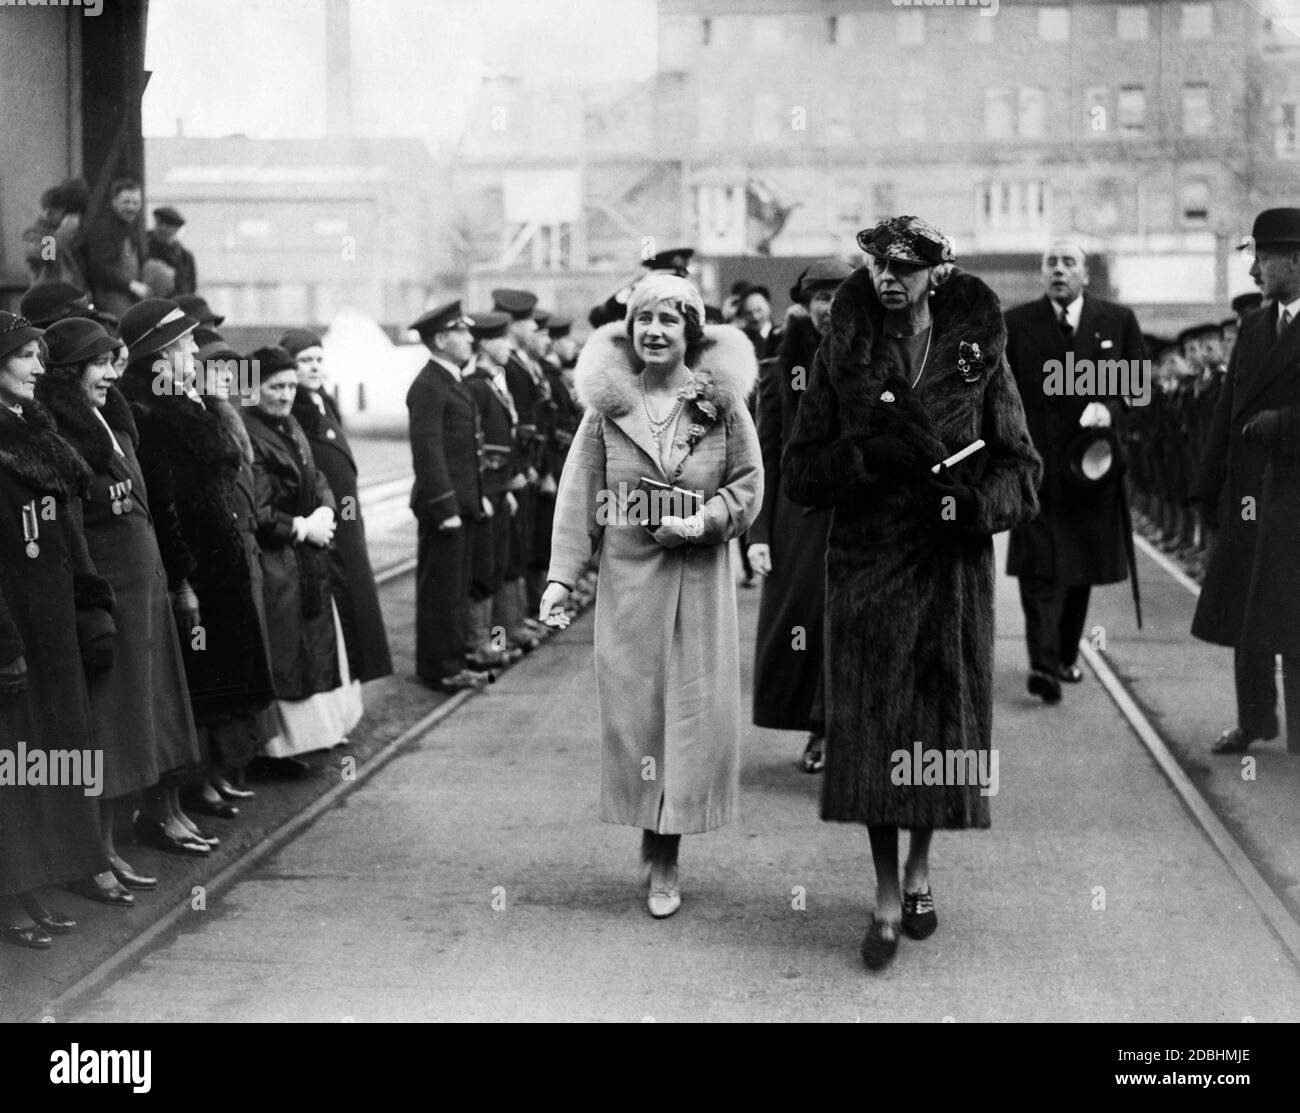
{"x":911,"y":26}
{"x":1196,"y":201}
{"x":1096,"y":112}
{"x":706,"y":32}
{"x":884,"y":201}
{"x":768,"y":33}
{"x":253,"y":229}
{"x":911,"y":114}
{"x":1131,"y":22}
{"x":1033,"y":113}
{"x":1196,"y":108}
{"x":1054,"y":24}
{"x":999,"y":114}
{"x":1131,"y":108}
{"x":767,"y":118}
{"x":1020,"y":207}
{"x":1284,"y":136}
{"x":1198,"y":21}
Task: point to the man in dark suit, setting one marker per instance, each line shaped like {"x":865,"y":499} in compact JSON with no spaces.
{"x":446,"y":497}
{"x":1248,"y":489}
{"x":1078,"y":538}
{"x":113,"y":249}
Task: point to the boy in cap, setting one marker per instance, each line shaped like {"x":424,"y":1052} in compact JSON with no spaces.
{"x":163,"y":245}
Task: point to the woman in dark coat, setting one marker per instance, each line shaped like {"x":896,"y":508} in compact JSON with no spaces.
{"x":191,"y":466}
{"x":355,"y":593}
{"x":787,"y":542}
{"x":55,"y":613}
{"x":148,"y":673}
{"x":912,"y":371}
{"x":316,"y":703}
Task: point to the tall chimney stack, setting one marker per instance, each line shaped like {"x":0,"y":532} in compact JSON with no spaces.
{"x":338,"y":69}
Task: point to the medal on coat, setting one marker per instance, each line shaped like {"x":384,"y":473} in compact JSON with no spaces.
{"x":120,"y":493}
{"x":31,"y":529}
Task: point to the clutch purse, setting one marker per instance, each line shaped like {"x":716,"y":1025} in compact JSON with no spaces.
{"x":659,"y":500}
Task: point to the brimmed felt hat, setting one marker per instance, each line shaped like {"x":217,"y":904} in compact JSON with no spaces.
{"x":1209,"y":328}
{"x":676,"y":260}
{"x":1093,"y":458}
{"x":822,"y":274}
{"x":167,"y":215}
{"x":558,"y":327}
{"x":1273,"y":227}
{"x":150,"y":325}
{"x":78,"y":339}
{"x":48,"y":302}
{"x":16,"y":331}
{"x":198,"y":308}
{"x":299,"y":340}
{"x":907,"y":239}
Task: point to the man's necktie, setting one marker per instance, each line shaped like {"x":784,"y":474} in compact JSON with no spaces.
{"x":1063,"y":323}
{"x":1283,"y":321}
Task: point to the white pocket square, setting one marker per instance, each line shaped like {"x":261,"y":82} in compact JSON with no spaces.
{"x":1107,"y":344}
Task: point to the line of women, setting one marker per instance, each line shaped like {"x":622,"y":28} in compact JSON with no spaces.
{"x":909,"y":371}
{"x":178,"y":591}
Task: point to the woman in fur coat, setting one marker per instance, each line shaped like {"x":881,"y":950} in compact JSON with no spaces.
{"x":55,"y":615}
{"x":665,"y":401}
{"x":77,"y":388}
{"x":912,"y":371}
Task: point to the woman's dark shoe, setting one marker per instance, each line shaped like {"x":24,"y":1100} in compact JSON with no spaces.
{"x":880,"y":943}
{"x":199,"y":804}
{"x":34,"y":936}
{"x":280,"y":768}
{"x":55,"y":923}
{"x":1071,"y":674}
{"x":118,"y":895}
{"x":919,"y":920}
{"x":1044,"y":684}
{"x":135,"y":881}
{"x":150,"y":832}
{"x":814,"y":754}
{"x":1234,"y":741}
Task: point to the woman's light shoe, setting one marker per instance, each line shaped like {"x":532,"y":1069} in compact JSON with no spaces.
{"x":665,"y":896}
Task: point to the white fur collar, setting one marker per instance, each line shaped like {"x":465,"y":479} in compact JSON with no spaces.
{"x":605,"y":377}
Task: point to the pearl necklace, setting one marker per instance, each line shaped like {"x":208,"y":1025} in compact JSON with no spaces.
{"x":658,"y":427}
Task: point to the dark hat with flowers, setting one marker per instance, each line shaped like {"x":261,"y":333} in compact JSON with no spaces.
{"x":907,"y":239}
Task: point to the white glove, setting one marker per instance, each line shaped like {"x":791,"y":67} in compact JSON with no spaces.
{"x":1095,"y":415}
{"x":552,"y":610}
{"x":760,"y":558}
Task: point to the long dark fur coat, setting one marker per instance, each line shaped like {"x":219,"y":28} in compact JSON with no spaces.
{"x":909,"y":592}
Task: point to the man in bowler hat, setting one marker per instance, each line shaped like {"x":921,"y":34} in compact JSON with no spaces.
{"x":1079,"y":537}
{"x":1248,"y":487}
{"x":446,"y":498}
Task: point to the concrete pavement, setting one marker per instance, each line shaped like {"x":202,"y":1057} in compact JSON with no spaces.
{"x":469,"y":879}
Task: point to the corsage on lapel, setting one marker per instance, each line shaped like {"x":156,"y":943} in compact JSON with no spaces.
{"x":970,"y":361}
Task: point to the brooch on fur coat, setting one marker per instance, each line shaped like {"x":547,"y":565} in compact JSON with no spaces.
{"x":970,"y":361}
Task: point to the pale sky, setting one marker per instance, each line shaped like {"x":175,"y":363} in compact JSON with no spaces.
{"x":257,"y":66}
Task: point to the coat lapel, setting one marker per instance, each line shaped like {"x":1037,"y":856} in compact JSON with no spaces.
{"x":636,"y":428}
{"x":1271,"y":358}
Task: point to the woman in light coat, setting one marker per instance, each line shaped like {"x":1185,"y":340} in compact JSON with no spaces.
{"x":665,"y":401}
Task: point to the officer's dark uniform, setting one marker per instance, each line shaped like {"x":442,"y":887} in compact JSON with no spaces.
{"x":444,"y":435}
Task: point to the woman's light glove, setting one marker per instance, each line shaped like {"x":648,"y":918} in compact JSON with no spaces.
{"x":552,"y":611}
{"x":1095,"y":416}
{"x":760,"y":559}
{"x":185,"y":608}
{"x":674,"y":531}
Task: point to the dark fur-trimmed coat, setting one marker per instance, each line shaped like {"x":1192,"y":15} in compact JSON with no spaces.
{"x":667,"y":636}
{"x":50,"y":603}
{"x":191,"y":467}
{"x":148,"y":670}
{"x":909,"y":592}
